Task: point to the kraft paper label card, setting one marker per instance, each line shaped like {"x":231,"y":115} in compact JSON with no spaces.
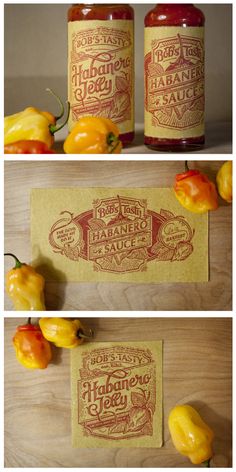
{"x":117,"y":394}
{"x":117,"y":235}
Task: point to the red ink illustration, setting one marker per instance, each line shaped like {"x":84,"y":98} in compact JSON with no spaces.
{"x":117,"y":393}
{"x":101,"y":68}
{"x":120,"y":234}
{"x":174,"y":72}
{"x":66,"y":237}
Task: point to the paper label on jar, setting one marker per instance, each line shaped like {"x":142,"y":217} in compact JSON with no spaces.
{"x":117,"y":394}
{"x":100,"y":71}
{"x":174,"y":82}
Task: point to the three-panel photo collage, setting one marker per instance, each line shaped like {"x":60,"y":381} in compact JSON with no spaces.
{"x":118,"y":190}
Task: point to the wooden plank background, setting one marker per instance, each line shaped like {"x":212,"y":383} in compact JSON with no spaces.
{"x":20,"y":177}
{"x":196,"y":370}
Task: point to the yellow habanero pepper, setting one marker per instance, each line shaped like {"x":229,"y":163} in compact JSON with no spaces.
{"x":190,"y":435}
{"x":25,"y":287}
{"x":224,"y":181}
{"x":195,"y":191}
{"x":33,"y":124}
{"x":33,"y":351}
{"x":63,"y":332}
{"x":93,"y":135}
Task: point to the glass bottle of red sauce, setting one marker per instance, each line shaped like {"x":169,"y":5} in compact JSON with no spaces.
{"x":174,"y":78}
{"x":101,"y":64}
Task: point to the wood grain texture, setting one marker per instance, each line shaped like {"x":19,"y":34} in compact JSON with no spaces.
{"x":196,"y":370}
{"x":20,"y":177}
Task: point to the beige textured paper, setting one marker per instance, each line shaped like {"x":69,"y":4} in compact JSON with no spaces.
{"x":101,"y":71}
{"x":117,"y":235}
{"x":117,"y":394}
{"x":174,"y":82}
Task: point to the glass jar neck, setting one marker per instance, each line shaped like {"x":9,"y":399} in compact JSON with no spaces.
{"x":101,"y":4}
{"x":174,"y":5}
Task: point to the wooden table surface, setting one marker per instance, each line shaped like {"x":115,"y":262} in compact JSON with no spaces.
{"x":20,"y":177}
{"x":196,"y":370}
{"x":218,"y":140}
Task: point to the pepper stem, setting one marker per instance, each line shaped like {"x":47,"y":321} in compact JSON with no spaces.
{"x":206,"y":463}
{"x":186,"y":166}
{"x":112,"y":141}
{"x":54,"y":128}
{"x":114,"y":147}
{"x":111,"y":138}
{"x":17,"y":262}
{"x":59,"y":101}
{"x":29,"y":320}
{"x":81,"y":334}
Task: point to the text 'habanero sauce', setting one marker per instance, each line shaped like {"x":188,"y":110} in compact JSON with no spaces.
{"x":101,"y":64}
{"x":174,"y":77}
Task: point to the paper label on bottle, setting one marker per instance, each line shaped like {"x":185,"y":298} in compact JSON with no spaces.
{"x":174,"y":82}
{"x":117,"y":394}
{"x":100,"y":71}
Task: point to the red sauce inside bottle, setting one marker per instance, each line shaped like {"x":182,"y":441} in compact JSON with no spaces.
{"x":88,"y":12}
{"x":178,"y":15}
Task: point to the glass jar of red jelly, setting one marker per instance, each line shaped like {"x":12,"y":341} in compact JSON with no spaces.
{"x":101,"y":64}
{"x":174,"y":78}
